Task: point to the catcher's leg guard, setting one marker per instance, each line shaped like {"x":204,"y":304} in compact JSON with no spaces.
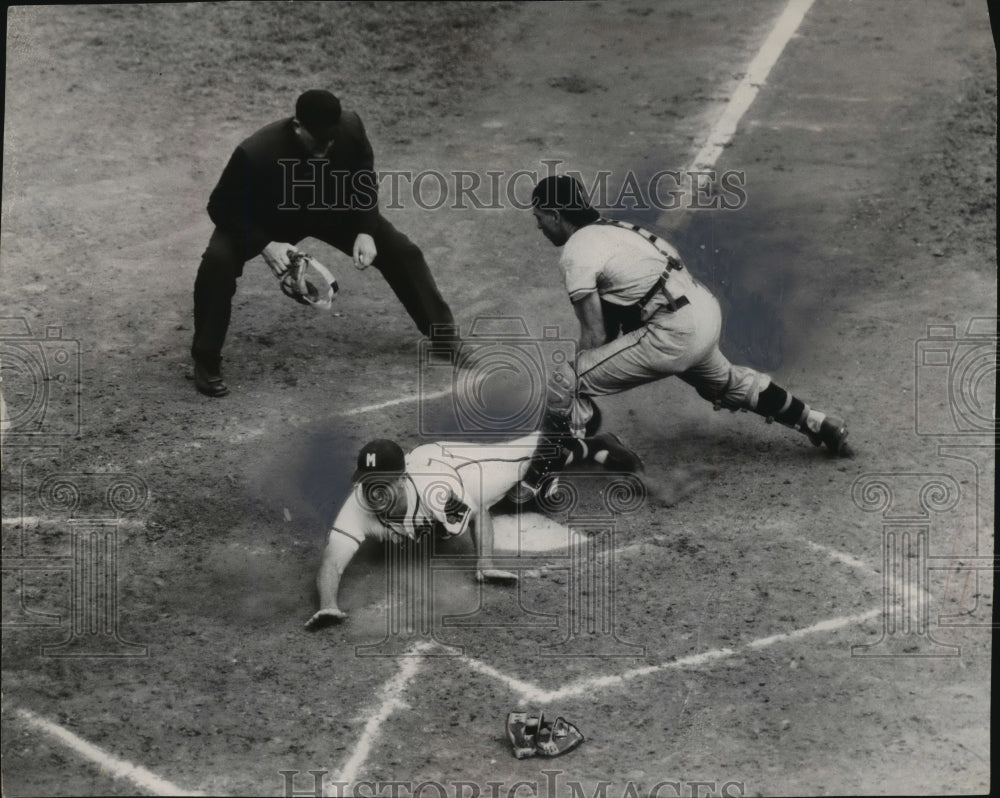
{"x":555,"y":446}
{"x":776,"y":404}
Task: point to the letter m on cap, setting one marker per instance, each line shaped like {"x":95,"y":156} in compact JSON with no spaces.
{"x":370,"y":460}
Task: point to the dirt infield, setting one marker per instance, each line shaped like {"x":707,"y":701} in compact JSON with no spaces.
{"x":728,"y":636}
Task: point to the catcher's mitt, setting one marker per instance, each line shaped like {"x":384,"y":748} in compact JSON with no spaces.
{"x":296,"y":285}
{"x":531,"y":735}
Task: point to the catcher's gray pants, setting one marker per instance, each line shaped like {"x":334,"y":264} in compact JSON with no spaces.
{"x":684,"y":342}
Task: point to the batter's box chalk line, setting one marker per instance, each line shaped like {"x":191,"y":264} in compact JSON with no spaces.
{"x":108,"y":763}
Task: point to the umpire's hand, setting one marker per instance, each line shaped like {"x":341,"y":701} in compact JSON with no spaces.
{"x":275,"y":255}
{"x":364,"y":251}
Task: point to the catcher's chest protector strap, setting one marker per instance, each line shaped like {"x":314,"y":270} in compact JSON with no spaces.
{"x":667,"y":251}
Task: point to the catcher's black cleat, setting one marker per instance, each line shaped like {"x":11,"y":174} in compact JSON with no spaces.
{"x":529,"y":489}
{"x":833,"y":434}
{"x":618,"y":458}
{"x":209,"y":381}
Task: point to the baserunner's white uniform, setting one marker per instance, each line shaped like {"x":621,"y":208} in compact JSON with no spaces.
{"x":477,"y":475}
{"x":450,"y":484}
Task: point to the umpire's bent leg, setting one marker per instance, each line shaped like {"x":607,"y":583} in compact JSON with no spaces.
{"x":402,"y":264}
{"x":214,"y":286}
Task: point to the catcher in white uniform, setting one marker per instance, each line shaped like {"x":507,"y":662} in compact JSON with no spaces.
{"x":450,"y":485}
{"x":642,"y":317}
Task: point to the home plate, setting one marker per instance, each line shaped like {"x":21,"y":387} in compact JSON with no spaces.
{"x":532,"y":532}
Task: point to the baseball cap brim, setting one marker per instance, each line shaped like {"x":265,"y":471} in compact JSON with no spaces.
{"x":324,"y":134}
{"x":360,"y":474}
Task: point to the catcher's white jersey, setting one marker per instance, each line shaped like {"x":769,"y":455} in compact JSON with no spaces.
{"x":444,"y":482}
{"x":617,"y":263}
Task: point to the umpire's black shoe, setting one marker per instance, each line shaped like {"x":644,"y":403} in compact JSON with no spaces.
{"x":833,"y":434}
{"x":208,"y":380}
{"x":443,"y":351}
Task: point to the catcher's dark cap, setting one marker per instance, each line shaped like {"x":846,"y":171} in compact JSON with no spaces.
{"x":319,"y":113}
{"x":379,"y":457}
{"x":557,"y":192}
{"x":563,"y":193}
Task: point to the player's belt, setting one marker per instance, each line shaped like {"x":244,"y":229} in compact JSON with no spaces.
{"x":660,"y":286}
{"x":677,"y":304}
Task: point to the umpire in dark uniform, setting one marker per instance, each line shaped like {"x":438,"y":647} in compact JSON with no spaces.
{"x":309,"y":175}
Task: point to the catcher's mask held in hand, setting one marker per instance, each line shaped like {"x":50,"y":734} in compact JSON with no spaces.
{"x":296,"y":285}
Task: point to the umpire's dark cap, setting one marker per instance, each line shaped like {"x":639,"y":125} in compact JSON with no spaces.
{"x":319,"y":113}
{"x":379,"y":457}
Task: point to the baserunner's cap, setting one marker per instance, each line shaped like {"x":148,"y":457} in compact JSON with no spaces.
{"x":379,"y":457}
